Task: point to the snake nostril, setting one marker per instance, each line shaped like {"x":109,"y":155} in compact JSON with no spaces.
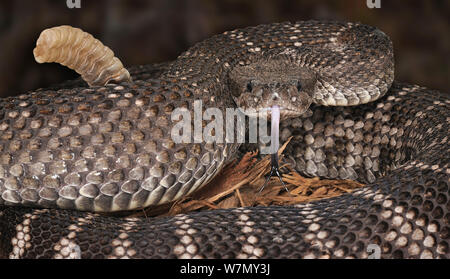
{"x":249,"y":86}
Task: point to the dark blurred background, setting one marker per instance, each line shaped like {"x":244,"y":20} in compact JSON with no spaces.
{"x":142,"y":32}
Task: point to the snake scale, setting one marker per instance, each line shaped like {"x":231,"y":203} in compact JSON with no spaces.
{"x":71,"y":148}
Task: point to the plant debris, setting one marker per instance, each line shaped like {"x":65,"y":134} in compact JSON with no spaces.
{"x":239,"y":185}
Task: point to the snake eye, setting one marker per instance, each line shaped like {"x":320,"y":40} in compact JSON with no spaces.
{"x":249,"y":86}
{"x":299,"y":86}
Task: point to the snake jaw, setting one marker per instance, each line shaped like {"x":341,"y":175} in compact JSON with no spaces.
{"x":285,"y":113}
{"x":258,"y":102}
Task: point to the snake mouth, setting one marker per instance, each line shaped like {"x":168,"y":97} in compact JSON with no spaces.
{"x":258,"y":102}
{"x":285,"y":112}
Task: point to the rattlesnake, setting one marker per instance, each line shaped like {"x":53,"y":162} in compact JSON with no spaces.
{"x":108,"y":148}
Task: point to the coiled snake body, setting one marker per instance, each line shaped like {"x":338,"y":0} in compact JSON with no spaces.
{"x":109,"y":148}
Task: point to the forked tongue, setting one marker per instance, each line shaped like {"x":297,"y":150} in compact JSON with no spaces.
{"x":274,"y":145}
{"x":275,"y":131}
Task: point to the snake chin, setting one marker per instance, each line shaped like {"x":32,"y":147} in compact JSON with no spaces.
{"x":257,"y":102}
{"x":285,"y":113}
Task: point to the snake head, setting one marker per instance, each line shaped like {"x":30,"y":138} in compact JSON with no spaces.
{"x":270,"y":81}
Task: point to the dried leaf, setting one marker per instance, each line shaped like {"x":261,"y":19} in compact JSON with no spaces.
{"x":239,"y":184}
